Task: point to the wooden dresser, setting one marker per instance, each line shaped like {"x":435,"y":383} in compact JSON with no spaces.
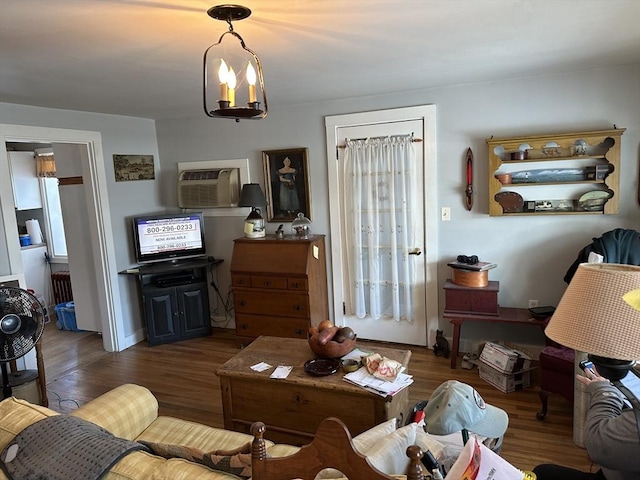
{"x":279,"y":286}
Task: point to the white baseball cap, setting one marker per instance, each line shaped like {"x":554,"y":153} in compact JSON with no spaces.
{"x":455,"y":405}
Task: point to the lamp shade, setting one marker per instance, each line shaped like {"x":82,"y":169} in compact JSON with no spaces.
{"x":596,"y":314}
{"x":45,"y":165}
{"x":252,"y":196}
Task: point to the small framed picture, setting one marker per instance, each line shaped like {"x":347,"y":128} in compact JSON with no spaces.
{"x":133,"y":167}
{"x":286,"y":174}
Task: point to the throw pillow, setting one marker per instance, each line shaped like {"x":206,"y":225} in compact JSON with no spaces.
{"x":369,"y":438}
{"x":389,"y":455}
{"x":236,"y":462}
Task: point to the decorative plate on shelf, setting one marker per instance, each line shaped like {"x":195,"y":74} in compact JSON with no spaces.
{"x":594,"y":200}
{"x":511,"y":202}
{"x":321,"y":367}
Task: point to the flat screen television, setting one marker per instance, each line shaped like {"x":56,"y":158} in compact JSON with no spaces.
{"x":168,"y":237}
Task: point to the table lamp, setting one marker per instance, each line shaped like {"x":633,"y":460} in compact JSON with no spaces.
{"x":599,"y":314}
{"x":253,"y":196}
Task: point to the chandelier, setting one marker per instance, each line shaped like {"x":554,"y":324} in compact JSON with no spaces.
{"x":232,"y":73}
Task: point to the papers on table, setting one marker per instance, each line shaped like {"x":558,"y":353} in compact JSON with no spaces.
{"x":260,"y":367}
{"x":364,"y":379}
{"x":281,"y":371}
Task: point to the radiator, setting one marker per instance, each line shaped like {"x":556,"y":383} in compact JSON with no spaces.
{"x":61,"y":283}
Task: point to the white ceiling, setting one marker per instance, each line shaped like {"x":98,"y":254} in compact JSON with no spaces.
{"x":144,"y":57}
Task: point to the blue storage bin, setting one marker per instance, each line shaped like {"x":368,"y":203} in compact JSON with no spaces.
{"x":66,"y":313}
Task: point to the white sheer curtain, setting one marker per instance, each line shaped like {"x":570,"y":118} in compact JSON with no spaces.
{"x":379,"y":188}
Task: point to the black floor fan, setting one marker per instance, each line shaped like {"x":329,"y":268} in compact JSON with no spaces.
{"x":22,"y":320}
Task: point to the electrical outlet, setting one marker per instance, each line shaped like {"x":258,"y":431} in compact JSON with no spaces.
{"x":446,"y":214}
{"x":533,"y":303}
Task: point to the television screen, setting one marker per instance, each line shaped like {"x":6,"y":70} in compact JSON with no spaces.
{"x":165,"y":237}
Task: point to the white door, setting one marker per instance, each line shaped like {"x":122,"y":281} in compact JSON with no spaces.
{"x":420,"y":122}
{"x":70,"y":162}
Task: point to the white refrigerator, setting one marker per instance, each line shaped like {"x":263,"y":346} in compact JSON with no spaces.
{"x":36,"y":272}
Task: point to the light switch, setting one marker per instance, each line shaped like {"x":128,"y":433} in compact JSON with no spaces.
{"x":446,"y":214}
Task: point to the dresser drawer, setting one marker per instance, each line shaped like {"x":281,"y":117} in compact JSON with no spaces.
{"x":241,"y":280}
{"x":258,"y":281}
{"x":287,"y":304}
{"x":297,"y":283}
{"x":299,"y":408}
{"x":256,"y":325}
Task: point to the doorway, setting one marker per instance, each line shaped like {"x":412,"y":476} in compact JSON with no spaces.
{"x":106,"y":302}
{"x":419,"y":121}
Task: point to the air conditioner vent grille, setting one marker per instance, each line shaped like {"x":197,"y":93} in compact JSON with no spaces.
{"x":200,"y":175}
{"x":209,"y":188}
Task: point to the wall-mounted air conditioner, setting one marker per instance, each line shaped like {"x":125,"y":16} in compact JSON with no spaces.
{"x":209,"y":188}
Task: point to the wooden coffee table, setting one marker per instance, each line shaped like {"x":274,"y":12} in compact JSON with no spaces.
{"x":292,"y":408}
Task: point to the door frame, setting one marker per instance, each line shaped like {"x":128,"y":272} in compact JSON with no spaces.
{"x":108,"y":301}
{"x":427,"y":115}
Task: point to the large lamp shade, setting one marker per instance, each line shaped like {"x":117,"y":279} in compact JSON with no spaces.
{"x":598,"y":313}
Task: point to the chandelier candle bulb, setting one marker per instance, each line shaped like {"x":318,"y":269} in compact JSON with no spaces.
{"x":222,"y":76}
{"x":231,"y":83}
{"x":251,"y":80}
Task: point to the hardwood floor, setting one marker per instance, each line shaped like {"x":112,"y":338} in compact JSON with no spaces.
{"x":181,"y":375}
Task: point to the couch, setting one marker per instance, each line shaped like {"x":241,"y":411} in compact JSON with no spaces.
{"x":131,"y":412}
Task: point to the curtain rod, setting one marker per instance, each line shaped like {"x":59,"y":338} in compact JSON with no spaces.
{"x":383,"y":136}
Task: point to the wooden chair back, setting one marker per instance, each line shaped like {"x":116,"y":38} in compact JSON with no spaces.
{"x":331,"y":448}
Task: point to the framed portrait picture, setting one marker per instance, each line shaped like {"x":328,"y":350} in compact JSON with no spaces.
{"x":286,"y":174}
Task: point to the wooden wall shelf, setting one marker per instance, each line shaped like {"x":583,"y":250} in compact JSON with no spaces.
{"x":564,"y":174}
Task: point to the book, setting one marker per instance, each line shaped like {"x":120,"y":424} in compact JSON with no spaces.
{"x":477,"y":267}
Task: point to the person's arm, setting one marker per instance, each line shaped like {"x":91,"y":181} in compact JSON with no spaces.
{"x":611,"y":434}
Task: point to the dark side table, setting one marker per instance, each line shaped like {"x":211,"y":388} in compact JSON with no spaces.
{"x":513,"y":316}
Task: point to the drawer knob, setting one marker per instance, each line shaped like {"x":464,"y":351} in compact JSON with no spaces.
{"x":299,"y":399}
{"x":299,"y":331}
{"x":297,"y":307}
{"x":244,"y":326}
{"x":239,"y":282}
{"x":296,"y":285}
{"x":243,"y":303}
{"x":267,"y":283}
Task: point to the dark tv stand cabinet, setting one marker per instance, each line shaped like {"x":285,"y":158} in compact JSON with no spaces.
{"x":175,"y":300}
